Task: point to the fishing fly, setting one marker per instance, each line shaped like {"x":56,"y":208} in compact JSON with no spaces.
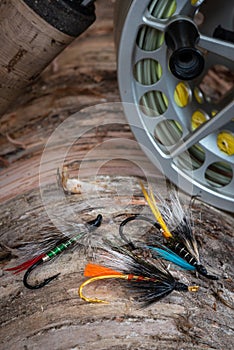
{"x":180,"y":245}
{"x":40,"y":259}
{"x":148,"y":281}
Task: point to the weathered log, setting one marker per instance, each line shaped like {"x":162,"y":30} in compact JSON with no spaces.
{"x":105,"y":155}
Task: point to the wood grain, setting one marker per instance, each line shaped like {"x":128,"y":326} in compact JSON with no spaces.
{"x":107,"y":157}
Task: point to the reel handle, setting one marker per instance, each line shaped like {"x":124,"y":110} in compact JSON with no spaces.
{"x":186,"y":61}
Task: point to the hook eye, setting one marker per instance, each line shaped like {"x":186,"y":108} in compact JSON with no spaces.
{"x":96,"y":222}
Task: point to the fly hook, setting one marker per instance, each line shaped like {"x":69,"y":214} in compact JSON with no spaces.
{"x":150,"y":282}
{"x":180,"y":247}
{"x":32,"y":264}
{"x":133,"y":218}
{"x":42,"y":284}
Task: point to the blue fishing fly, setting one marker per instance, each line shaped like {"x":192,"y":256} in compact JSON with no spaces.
{"x":180,"y":246}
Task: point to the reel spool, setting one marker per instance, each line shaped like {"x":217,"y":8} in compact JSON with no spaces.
{"x":165,"y":50}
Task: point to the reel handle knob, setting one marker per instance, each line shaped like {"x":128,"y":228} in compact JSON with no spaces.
{"x":186,"y":61}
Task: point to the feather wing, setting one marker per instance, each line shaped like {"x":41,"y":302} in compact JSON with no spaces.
{"x":147,"y":293}
{"x":160,"y":282}
{"x":176,"y":219}
{"x":50,"y":238}
{"x":169,"y":255}
{"x":184,"y":232}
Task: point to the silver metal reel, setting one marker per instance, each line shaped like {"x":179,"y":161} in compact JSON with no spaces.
{"x":185,"y":132}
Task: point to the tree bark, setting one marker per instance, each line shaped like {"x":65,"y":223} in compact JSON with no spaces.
{"x":109,"y":164}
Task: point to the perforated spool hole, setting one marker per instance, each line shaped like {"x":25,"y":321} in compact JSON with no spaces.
{"x":182,"y":94}
{"x":168,"y":132}
{"x":225,"y":142}
{"x":149,"y":39}
{"x":198,"y":118}
{"x":219,"y":174}
{"x":162,"y":8}
{"x":147,"y":71}
{"x":198,"y":94}
{"x":193,"y":159}
{"x":153,"y":103}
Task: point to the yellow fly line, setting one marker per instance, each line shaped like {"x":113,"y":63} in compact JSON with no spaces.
{"x":153,"y":206}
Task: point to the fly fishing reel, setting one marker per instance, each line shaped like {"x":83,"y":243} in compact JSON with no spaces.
{"x":167,"y":52}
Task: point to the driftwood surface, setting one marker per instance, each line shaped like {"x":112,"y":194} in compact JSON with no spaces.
{"x":111,"y":164}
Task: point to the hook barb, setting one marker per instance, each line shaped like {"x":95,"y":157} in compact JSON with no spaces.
{"x":40,"y":285}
